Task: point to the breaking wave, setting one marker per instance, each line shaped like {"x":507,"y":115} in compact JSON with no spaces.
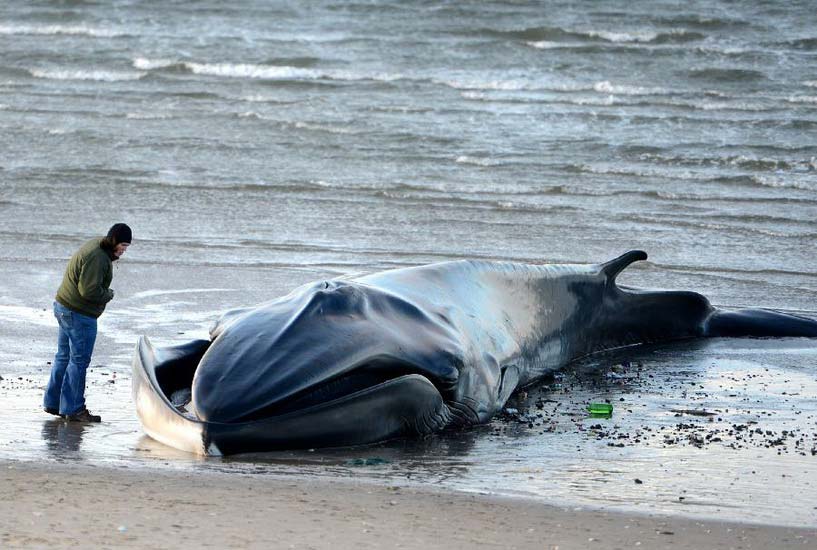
{"x":86,"y":74}
{"x":56,"y":30}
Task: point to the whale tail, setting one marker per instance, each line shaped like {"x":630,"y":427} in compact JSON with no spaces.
{"x":665,"y":307}
{"x":758,"y":323}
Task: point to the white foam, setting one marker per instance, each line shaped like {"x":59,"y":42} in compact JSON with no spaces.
{"x":465,"y":159}
{"x":22,"y":314}
{"x":547,"y":45}
{"x":802,"y":99}
{"x":257,"y":98}
{"x":146,"y":116}
{"x":606,"y":87}
{"x":125,"y":324}
{"x":152,"y":293}
{"x":85,"y":74}
{"x":473,"y":85}
{"x":810,"y":83}
{"x":607,"y":100}
{"x":470,"y":94}
{"x":150,"y":64}
{"x":782,"y":182}
{"x":71,"y":30}
{"x":282,"y":72}
{"x":499,"y":85}
{"x":322,"y":128}
{"x":619,"y":37}
{"x":724,"y":50}
{"x":732,"y":106}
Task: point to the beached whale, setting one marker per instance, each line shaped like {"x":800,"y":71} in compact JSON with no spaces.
{"x":407,"y":352}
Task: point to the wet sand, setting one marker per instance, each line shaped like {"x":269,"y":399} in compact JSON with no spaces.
{"x":751,"y":460}
{"x":70,"y":505}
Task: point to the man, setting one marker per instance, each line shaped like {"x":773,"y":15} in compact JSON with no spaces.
{"x":80,"y":300}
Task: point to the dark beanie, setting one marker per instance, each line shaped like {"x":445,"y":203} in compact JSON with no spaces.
{"x":120,"y":233}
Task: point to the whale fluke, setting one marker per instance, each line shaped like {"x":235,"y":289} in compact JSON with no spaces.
{"x":759,"y":323}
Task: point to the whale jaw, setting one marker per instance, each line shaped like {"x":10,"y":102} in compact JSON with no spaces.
{"x":406,"y":405}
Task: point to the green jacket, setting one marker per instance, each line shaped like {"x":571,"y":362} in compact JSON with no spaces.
{"x":85,"y":285}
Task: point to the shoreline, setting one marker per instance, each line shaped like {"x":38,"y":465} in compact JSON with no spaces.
{"x":59,"y":505}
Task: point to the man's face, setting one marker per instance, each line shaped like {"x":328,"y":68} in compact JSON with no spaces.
{"x":120,"y":249}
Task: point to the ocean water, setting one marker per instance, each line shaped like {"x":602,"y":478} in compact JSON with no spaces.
{"x":255,"y":146}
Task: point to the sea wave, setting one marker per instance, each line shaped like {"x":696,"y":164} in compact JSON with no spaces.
{"x":808,"y":99}
{"x":260,"y":98}
{"x":606,"y":87}
{"x":807,"y":44}
{"x":148,"y":116}
{"x":327,"y":128}
{"x":715,"y":224}
{"x":609,"y":36}
{"x":718,"y":74}
{"x":502,"y":85}
{"x":261,"y":71}
{"x":547,"y":45}
{"x":700,"y":22}
{"x":511,"y":85}
{"x":543,"y":34}
{"x":740,"y":161}
{"x":750,"y":180}
{"x":86,"y":74}
{"x":151,"y":64}
{"x":478,"y":161}
{"x":727,"y":50}
{"x":52,"y":30}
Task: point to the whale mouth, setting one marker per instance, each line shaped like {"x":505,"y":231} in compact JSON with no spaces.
{"x":175,"y":372}
{"x":366,"y":377}
{"x":382,"y":398}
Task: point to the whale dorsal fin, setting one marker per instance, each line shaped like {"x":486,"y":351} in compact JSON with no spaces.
{"x":612,"y":268}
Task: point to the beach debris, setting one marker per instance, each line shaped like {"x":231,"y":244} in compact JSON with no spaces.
{"x":693,"y":412}
{"x":601,"y":410}
{"x":373,"y":461}
{"x":638,"y":481}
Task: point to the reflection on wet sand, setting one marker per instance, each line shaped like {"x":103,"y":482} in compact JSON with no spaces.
{"x":62,"y":438}
{"x":749,"y":453}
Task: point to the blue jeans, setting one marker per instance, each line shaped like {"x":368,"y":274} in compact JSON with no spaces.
{"x":75,"y":343}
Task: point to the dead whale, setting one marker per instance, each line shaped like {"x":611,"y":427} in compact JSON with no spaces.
{"x":407,"y":352}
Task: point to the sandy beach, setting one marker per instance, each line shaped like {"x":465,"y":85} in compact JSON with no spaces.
{"x":65,"y":506}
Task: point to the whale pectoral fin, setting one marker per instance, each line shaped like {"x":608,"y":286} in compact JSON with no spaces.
{"x":758,"y":322}
{"x":508,"y":384}
{"x":612,"y":268}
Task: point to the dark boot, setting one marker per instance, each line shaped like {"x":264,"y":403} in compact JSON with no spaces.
{"x":55,"y":412}
{"x":83,"y":416}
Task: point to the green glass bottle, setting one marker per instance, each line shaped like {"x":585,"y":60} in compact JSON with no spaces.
{"x":600,"y":409}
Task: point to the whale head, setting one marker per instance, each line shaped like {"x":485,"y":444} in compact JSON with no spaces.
{"x":329,"y":347}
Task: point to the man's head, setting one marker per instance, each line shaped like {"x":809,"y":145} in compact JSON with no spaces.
{"x":119,"y":238}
